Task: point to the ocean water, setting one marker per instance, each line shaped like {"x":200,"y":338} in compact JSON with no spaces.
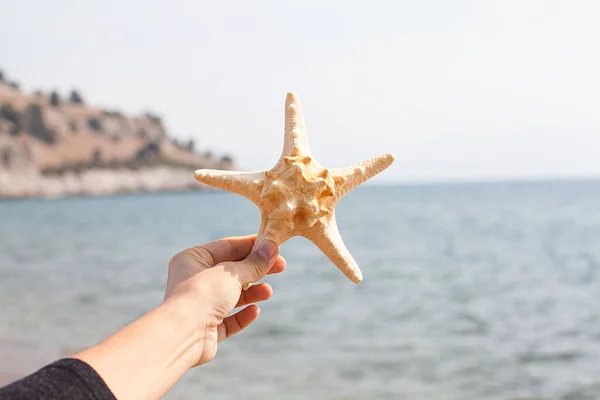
{"x":472,"y":291}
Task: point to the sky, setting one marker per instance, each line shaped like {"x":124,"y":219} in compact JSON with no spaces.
{"x":456,"y":90}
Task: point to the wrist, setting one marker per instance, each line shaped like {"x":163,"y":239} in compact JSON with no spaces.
{"x":145,"y":358}
{"x":187,"y":325}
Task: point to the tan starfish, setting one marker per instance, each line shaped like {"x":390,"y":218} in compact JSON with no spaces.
{"x":297,"y":197}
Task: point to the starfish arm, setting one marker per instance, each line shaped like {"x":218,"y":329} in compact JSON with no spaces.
{"x":247,"y":184}
{"x":331,"y":244}
{"x":295,"y":142}
{"x":349,"y":178}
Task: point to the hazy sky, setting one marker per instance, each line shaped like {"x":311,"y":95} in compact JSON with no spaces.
{"x":455,"y":89}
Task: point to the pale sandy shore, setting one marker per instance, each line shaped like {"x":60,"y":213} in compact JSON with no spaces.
{"x":96,"y":182}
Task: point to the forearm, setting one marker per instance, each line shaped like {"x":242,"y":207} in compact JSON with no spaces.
{"x":147,"y":357}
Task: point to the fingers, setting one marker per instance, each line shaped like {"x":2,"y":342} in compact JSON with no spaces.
{"x":231,"y":249}
{"x":257,"y":264}
{"x":254,"y":294}
{"x":228,"y":249}
{"x":236,"y":322}
{"x":278,"y":266}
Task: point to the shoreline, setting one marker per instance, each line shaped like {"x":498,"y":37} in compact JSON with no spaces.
{"x":96,"y":183}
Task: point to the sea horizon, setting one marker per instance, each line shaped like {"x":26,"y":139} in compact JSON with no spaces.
{"x":441,"y":182}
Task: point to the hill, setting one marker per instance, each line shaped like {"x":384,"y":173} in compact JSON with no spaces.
{"x":50,"y":146}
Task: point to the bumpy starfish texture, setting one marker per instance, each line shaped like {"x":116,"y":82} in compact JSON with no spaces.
{"x":297,"y":197}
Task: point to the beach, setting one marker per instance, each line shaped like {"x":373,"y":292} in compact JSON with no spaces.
{"x":97,"y":182}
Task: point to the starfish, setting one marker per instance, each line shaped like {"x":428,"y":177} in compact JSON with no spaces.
{"x":297,"y":196}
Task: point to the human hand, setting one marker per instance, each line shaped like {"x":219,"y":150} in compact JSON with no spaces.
{"x":208,"y":279}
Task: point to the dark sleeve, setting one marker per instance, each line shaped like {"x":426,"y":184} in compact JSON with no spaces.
{"x":68,"y":378}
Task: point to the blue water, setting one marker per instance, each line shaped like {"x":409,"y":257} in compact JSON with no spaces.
{"x":479,"y":291}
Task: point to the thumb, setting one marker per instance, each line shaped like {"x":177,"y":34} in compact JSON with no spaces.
{"x":258,"y":263}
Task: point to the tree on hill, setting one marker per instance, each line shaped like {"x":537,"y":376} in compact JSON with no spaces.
{"x":75,"y":97}
{"x":149,"y":153}
{"x":190,"y":145}
{"x":14,"y":85}
{"x":1,"y":76}
{"x":54,"y":99}
{"x":96,"y":157}
{"x":226,"y":162}
{"x":94,"y":124}
{"x":7,"y":112}
{"x":153,"y":117}
{"x":33,"y":123}
{"x":113,"y":113}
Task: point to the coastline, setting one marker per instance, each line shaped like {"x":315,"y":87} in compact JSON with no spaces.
{"x":96,"y":182}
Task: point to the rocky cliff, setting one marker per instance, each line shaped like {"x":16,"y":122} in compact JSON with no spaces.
{"x":51,"y":146}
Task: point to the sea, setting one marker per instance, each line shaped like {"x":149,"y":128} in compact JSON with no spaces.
{"x":471,"y":291}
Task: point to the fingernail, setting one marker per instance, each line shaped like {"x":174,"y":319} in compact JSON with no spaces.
{"x":267,"y":250}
